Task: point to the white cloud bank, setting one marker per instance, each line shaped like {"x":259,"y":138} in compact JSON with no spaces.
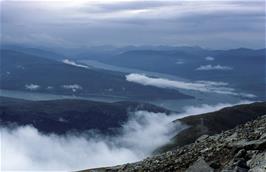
{"x":180,"y":61}
{"x":26,"y":149}
{"x":214,"y":67}
{"x":73,"y":87}
{"x":209,"y":58}
{"x":203,"y":86}
{"x":69,"y":62}
{"x":32,"y":87}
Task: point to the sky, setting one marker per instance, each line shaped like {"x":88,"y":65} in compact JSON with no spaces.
{"x":83,"y":23}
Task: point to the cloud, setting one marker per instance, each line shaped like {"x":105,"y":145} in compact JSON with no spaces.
{"x":180,"y":61}
{"x":73,"y":87}
{"x":214,"y":67}
{"x":209,"y":58}
{"x":126,"y":6}
{"x":26,"y":149}
{"x":32,"y":87}
{"x":69,"y":62}
{"x":70,"y":23}
{"x":203,"y":86}
{"x":49,"y":87}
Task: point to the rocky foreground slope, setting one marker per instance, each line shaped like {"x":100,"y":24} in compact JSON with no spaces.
{"x":242,"y":149}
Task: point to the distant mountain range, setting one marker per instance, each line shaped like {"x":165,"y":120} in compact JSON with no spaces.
{"x":36,"y":51}
{"x":28,"y":72}
{"x":242,"y":68}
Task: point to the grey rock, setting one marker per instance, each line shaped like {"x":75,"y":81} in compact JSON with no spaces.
{"x":203,"y":137}
{"x":231,"y":137}
{"x":215,"y":164}
{"x":251,"y":145}
{"x":241,"y":153}
{"x":240,"y":169}
{"x":258,"y":163}
{"x":200,"y":166}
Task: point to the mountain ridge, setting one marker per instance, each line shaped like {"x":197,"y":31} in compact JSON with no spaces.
{"x":25,"y":72}
{"x":63,"y":116}
{"x":214,"y":122}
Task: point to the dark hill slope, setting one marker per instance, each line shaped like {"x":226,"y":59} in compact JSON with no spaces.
{"x":61,"y":116}
{"x":37,"y":51}
{"x":215,"y":122}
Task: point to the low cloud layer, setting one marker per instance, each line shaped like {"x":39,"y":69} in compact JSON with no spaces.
{"x":69,"y":62}
{"x":209,"y":58}
{"x":73,"y":87}
{"x":32,"y":87}
{"x":203,"y":86}
{"x":24,"y":148}
{"x":214,"y":67}
{"x":180,"y":61}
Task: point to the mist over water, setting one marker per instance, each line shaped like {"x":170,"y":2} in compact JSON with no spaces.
{"x":25,"y":148}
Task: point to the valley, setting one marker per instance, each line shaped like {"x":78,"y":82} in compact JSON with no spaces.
{"x":132,"y":86}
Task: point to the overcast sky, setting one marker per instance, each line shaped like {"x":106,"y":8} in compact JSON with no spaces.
{"x":211,"y":24}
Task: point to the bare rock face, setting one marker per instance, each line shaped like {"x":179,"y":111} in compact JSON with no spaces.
{"x":242,"y":149}
{"x":200,"y":166}
{"x":258,"y":162}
